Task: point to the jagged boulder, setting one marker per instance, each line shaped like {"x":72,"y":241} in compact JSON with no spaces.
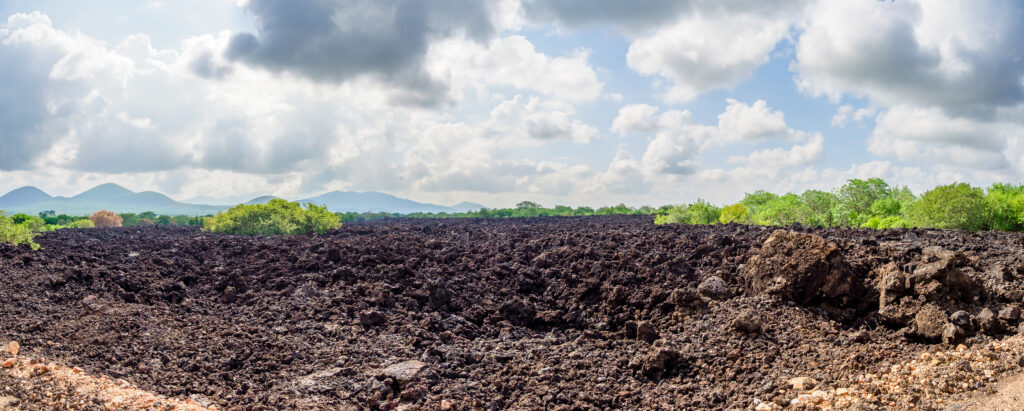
{"x":939,"y":277}
{"x":938,"y":280}
{"x":804,"y":268}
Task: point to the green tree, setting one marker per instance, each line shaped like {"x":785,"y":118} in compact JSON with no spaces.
{"x":526,"y":205}
{"x":855,"y":200}
{"x":783,"y":210}
{"x":955,"y":206}
{"x":754,"y":201}
{"x":129,"y":219}
{"x":1006,"y":205}
{"x":820,"y":205}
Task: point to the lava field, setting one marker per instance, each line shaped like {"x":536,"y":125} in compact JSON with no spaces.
{"x":549,"y":313}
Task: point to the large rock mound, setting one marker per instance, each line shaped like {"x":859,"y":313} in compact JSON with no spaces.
{"x":804,"y":268}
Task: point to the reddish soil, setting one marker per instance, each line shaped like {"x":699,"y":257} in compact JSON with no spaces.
{"x":581,"y":313}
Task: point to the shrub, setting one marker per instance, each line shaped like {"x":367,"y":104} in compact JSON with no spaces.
{"x":700,"y":212}
{"x":34,"y":223}
{"x":105,"y":218}
{"x":276,"y":217}
{"x":16,"y":234}
{"x":83,"y":224}
{"x":145,"y":222}
{"x":877,"y":222}
{"x":129,"y":219}
{"x":956,"y":206}
{"x":736,"y":213}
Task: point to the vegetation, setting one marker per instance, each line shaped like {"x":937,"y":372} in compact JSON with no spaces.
{"x":276,"y":217}
{"x":956,"y":206}
{"x":16,"y":233}
{"x":870,"y":203}
{"x":106,"y":218}
{"x":83,"y":224}
{"x":523,"y":209}
{"x":700,"y":212}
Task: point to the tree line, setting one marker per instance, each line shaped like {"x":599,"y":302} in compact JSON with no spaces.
{"x":870,"y":203}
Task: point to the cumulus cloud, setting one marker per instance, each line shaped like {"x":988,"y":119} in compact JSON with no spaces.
{"x":797,"y":155}
{"x":513,"y":61}
{"x":930,"y":136}
{"x":625,"y":175}
{"x":961,"y":56}
{"x":845,"y":113}
{"x":337,"y":40}
{"x":702,"y":53}
{"x":89,"y":108}
{"x":679,"y":139}
{"x":753,"y":122}
{"x":698,"y":45}
{"x":29,"y":127}
{"x":636,"y":118}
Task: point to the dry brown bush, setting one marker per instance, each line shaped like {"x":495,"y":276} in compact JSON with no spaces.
{"x":105,"y":218}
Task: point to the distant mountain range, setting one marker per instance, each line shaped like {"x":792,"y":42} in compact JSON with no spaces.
{"x":32,"y":200}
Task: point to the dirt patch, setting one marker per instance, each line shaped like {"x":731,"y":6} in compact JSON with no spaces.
{"x":34,"y":384}
{"x":588,"y":313}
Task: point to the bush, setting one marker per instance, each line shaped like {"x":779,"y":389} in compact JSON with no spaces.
{"x":957,"y":206}
{"x":736,"y":213}
{"x":105,"y":218}
{"x":16,"y":234}
{"x":880,"y":223}
{"x":34,"y":223}
{"x":20,"y":218}
{"x":129,"y":219}
{"x":83,"y":224}
{"x":276,"y":217}
{"x":700,"y":212}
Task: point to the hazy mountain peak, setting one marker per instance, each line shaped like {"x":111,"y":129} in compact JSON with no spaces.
{"x":23,"y":196}
{"x":104,"y":192}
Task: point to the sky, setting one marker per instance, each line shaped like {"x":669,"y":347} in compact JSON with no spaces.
{"x":569,"y":102}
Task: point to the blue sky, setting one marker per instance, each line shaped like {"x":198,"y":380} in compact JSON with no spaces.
{"x":557,"y":101}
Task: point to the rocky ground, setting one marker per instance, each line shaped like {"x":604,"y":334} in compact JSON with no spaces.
{"x":571,"y":313}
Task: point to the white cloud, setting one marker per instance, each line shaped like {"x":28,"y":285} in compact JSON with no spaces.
{"x":635,"y":118}
{"x":797,"y":155}
{"x":625,"y":175}
{"x":962,"y":56}
{"x":845,"y":113}
{"x":930,"y":136}
{"x":753,"y":122}
{"x":513,"y":61}
{"x":702,"y":53}
{"x":679,"y":140}
{"x":134,"y":109}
